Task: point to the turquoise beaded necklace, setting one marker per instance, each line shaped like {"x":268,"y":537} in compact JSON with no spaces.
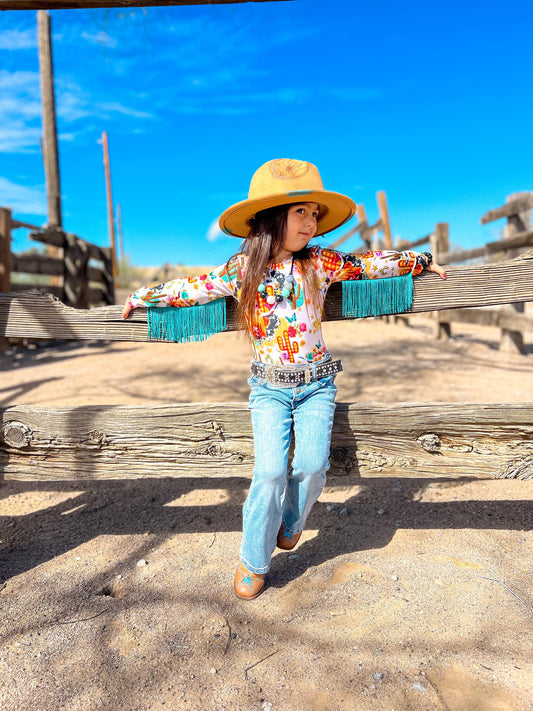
{"x":282,"y":291}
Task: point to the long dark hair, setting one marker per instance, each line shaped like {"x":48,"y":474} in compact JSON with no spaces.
{"x":264,"y":242}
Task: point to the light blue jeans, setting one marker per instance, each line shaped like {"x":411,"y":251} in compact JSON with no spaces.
{"x":277,"y":495}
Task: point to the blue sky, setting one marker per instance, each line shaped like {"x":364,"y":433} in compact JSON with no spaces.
{"x":430,"y":102}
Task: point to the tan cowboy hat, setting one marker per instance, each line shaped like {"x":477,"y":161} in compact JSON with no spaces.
{"x":284,"y":182}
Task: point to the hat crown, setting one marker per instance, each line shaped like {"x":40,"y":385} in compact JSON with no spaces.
{"x":283,"y":176}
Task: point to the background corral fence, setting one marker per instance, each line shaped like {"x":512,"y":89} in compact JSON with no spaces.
{"x":78,"y":272}
{"x":517,"y":237}
{"x":203,"y":439}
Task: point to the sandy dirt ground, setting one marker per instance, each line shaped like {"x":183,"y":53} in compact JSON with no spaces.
{"x":403,"y":594}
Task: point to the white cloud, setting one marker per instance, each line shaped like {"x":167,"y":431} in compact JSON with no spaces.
{"x":101,"y":38}
{"x":18,"y":138}
{"x":114,"y":107}
{"x":22,"y":198}
{"x":214,"y":232}
{"x":18,"y":39}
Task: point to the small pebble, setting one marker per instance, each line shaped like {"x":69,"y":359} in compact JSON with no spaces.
{"x":294,"y":556}
{"x":344,"y":512}
{"x":394,"y":577}
{"x":266,"y":706}
{"x":381,"y":512}
{"x":331,"y":507}
{"x":213,"y":670}
{"x":378,"y":676}
{"x":141,"y":563}
{"x":417,"y":686}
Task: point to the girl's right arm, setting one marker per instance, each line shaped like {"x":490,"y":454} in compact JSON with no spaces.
{"x":186,"y":291}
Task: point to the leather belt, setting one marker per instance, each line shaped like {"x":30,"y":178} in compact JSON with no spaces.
{"x":298,"y":374}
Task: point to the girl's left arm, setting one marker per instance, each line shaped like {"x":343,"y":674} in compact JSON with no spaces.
{"x":383,"y":264}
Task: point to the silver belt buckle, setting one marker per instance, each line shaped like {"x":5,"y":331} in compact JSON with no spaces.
{"x":307,"y":375}
{"x":270,"y":375}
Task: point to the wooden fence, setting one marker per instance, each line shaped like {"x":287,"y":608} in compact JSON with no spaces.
{"x":81,"y":273}
{"x":518,"y":235}
{"x":203,"y":439}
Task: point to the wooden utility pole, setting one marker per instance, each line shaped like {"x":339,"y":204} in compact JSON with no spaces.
{"x":51,"y":155}
{"x":119,"y":230}
{"x":49,"y":144}
{"x":110,"y":215}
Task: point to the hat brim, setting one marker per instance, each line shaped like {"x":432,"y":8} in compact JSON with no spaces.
{"x":335,"y":210}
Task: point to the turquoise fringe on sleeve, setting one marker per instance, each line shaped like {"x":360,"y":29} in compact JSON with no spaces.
{"x":182,"y":324}
{"x":374,"y":297}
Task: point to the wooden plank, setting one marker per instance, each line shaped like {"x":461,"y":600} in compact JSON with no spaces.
{"x":521,"y":239}
{"x":15,"y":224}
{"x":82,"y":4}
{"x":403,"y":244}
{"x":36,"y":264}
{"x":513,"y":207}
{"x":95,"y":274}
{"x":52,"y":236}
{"x":489,"y":317}
{"x":203,"y":439}
{"x":39,"y":316}
{"x":46,"y":291}
{"x":97,"y":295}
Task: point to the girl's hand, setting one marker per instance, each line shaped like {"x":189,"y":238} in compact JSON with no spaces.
{"x":434,"y":267}
{"x":127,"y":308}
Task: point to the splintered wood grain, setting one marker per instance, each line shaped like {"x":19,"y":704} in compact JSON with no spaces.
{"x":203,"y":439}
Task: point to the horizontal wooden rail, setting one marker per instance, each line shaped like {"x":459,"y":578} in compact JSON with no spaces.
{"x":521,"y":239}
{"x":403,"y":244}
{"x":511,"y":208}
{"x":34,"y":315}
{"x":37,"y":264}
{"x":16,"y":224}
{"x":203,"y":439}
{"x":82,"y":4}
{"x":510,"y":320}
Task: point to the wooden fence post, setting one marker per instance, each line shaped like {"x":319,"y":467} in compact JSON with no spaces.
{"x":5,"y":249}
{"x":513,"y":341}
{"x":107,"y":275}
{"x":5,"y":258}
{"x":440,"y":244}
{"x":75,"y":276}
{"x":365,"y":232}
{"x":385,"y":221}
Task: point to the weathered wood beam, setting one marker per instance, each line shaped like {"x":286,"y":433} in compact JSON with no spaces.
{"x":36,"y":264}
{"x":404,"y":244}
{"x":522,"y":239}
{"x":51,"y":236}
{"x":513,"y":207}
{"x":34,"y":315}
{"x":83,"y":4}
{"x":203,"y":439}
{"x":15,"y":224}
{"x":482,"y":317}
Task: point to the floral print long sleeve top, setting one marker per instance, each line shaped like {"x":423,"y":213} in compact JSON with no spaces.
{"x":288,"y":332}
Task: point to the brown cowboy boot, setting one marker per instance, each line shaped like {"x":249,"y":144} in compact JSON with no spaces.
{"x":287,"y":540}
{"x":248,"y":585}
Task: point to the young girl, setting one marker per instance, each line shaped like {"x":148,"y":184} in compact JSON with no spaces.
{"x":280,"y":283}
